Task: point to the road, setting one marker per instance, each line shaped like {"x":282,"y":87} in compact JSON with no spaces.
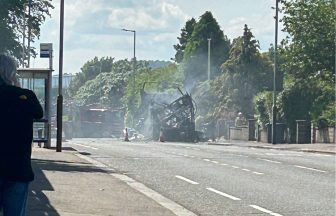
{"x":224,"y":180}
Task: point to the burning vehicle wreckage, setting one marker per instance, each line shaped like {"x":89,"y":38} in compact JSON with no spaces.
{"x":173,"y":121}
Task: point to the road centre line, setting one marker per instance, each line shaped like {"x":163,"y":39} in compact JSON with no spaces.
{"x":223,"y":164}
{"x":258,"y":173}
{"x":247,"y":170}
{"x":86,"y":146}
{"x":207,"y":160}
{"x":308,"y":168}
{"x":223,"y":194}
{"x":235,"y":167}
{"x":187,"y":180}
{"x":271,"y":161}
{"x":265,"y":210}
{"x":215,"y":162}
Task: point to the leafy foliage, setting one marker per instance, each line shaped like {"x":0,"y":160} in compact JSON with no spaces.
{"x":246,"y":73}
{"x":310,"y":45}
{"x":309,"y":61}
{"x":186,"y":33}
{"x":12,"y":19}
{"x":196,"y":51}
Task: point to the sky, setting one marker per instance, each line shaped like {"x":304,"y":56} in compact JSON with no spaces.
{"x":93,"y":27}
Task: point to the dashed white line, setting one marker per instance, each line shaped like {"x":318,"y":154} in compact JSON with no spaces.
{"x":223,"y":194}
{"x":308,"y":168}
{"x":258,"y":173}
{"x":86,"y":146}
{"x":247,"y":170}
{"x":207,"y":160}
{"x":187,"y":180}
{"x":223,"y":164}
{"x":271,"y":161}
{"x":235,"y":167}
{"x":265,"y":210}
{"x":165,"y":202}
{"x":215,"y":162}
{"x":186,"y":155}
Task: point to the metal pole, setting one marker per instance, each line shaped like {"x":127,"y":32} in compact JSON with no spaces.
{"x":209,"y":73}
{"x":24,"y":36}
{"x":60,"y":79}
{"x":274,"y":109}
{"x":29,"y":31}
{"x":134,"y":61}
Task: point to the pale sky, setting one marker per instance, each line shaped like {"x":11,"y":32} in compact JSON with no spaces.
{"x":93,"y":27}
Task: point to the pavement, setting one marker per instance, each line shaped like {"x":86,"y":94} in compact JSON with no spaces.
{"x":66,"y":184}
{"x":324,"y":148}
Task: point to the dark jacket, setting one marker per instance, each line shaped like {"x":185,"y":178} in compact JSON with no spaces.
{"x":18,"y":108}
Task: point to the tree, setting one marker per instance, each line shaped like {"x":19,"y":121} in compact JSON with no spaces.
{"x":186,"y":32}
{"x":90,"y":70}
{"x":12,"y":13}
{"x":310,"y":44}
{"x":196,"y":50}
{"x":245,"y":73}
{"x":308,"y":61}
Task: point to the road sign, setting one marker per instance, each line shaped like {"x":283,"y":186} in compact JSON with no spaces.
{"x":45,"y":50}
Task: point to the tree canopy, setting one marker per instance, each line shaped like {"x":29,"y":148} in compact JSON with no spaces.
{"x":196,"y":50}
{"x":13,"y":16}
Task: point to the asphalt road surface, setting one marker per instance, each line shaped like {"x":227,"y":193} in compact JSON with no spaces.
{"x":224,"y":180}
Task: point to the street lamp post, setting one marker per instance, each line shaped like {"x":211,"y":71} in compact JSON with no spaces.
{"x":274,"y":109}
{"x":134,"y":59}
{"x":60,"y":83}
{"x":209,"y":48}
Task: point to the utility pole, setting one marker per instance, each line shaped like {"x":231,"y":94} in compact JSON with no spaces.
{"x":60,"y":83}
{"x":274,"y":109}
{"x":29,"y":30}
{"x":209,"y":49}
{"x":134,"y":59}
{"x":24,"y":35}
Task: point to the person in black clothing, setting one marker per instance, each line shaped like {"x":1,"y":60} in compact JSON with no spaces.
{"x":18,"y":108}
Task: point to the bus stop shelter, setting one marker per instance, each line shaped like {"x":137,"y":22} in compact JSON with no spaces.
{"x":39,"y":81}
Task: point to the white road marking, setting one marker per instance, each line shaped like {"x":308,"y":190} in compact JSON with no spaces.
{"x":207,"y":160}
{"x":235,"y":167}
{"x":223,"y":164}
{"x":165,"y":202}
{"x":191,"y":156}
{"x":215,"y":162}
{"x":186,"y":155}
{"x":271,"y":161}
{"x":223,"y":194}
{"x":265,"y":210}
{"x":247,"y":170}
{"x":308,"y":168}
{"x":258,"y":173}
{"x":187,"y":180}
{"x":86,"y":146}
